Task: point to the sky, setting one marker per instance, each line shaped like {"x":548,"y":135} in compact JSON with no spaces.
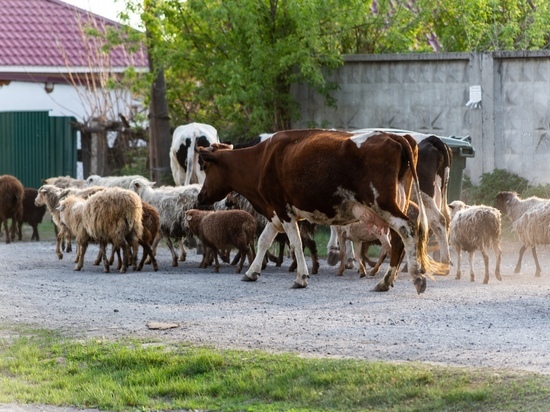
{"x":105,"y":8}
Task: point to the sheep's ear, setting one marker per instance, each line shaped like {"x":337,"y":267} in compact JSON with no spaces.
{"x":60,"y":208}
{"x":188,"y":217}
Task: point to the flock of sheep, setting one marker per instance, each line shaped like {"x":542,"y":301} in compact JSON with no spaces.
{"x":128,"y":212}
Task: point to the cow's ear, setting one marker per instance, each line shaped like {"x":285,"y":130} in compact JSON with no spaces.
{"x":207,"y":156}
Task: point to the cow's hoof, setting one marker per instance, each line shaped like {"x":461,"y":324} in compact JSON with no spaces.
{"x":252,"y":278}
{"x":381,"y":287}
{"x":333,"y":256}
{"x":420,"y":284}
{"x":297,"y":285}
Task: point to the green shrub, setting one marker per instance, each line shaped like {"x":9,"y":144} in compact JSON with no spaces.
{"x":491,"y":183}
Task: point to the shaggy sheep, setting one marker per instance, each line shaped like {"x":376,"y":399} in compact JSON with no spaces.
{"x":109,"y":216}
{"x":11,"y":203}
{"x":64,"y":182}
{"x":222,"y":230}
{"x":50,"y":195}
{"x":475,"y":228}
{"x":516,"y":208}
{"x":113,"y":181}
{"x":32,"y":214}
{"x":171,"y":203}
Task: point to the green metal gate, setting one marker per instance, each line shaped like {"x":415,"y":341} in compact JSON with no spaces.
{"x":35,"y":146}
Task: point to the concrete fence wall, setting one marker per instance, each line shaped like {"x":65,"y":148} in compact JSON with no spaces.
{"x":509,"y":127}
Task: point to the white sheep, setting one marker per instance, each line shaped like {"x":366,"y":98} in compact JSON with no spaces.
{"x":171,"y":203}
{"x":475,"y":228}
{"x":113,"y":181}
{"x":111,"y":216}
{"x":516,"y":208}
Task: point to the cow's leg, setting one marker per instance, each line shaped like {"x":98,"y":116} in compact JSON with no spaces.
{"x":397,"y":250}
{"x":521,"y":252}
{"x":293,"y":233}
{"x":333,"y":250}
{"x":437,"y":224}
{"x":264,"y":242}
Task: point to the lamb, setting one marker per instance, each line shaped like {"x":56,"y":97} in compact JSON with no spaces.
{"x":50,"y":195}
{"x":475,"y":228}
{"x":359,"y":233}
{"x":223,"y":229}
{"x":32,"y":214}
{"x":112,"y":181}
{"x":171,"y":203}
{"x":516,"y":208}
{"x":109,"y":216}
{"x":11,"y":203}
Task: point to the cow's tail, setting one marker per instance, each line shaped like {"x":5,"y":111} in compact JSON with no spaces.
{"x":428,"y":264}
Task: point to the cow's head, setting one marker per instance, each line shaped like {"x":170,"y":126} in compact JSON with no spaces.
{"x":216,"y":186}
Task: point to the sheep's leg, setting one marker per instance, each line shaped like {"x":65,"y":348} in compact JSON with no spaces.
{"x":471,"y":261}
{"x":498,"y":255}
{"x":312,"y":246}
{"x":81,"y":252}
{"x":340,"y":240}
{"x":534,"y":251}
{"x":521,"y":252}
{"x":8,"y":240}
{"x":349,"y":253}
{"x":103,"y":253}
{"x":35,"y":235}
{"x":183,"y":254}
{"x":125,"y":257}
{"x":458,"y":262}
{"x":486,"y":263}
{"x":361,"y":269}
{"x":264,"y":242}
{"x":243,"y":252}
{"x":60,"y":237}
{"x":68,"y":244}
{"x":98,"y":259}
{"x":236,"y":258}
{"x":251,"y":252}
{"x":147,"y":253}
{"x":172,"y":251}
{"x":214,"y":252}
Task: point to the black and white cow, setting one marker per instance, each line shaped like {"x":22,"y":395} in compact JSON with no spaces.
{"x":184,"y":159}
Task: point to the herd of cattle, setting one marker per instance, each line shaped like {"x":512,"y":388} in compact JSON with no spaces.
{"x":369,"y":186}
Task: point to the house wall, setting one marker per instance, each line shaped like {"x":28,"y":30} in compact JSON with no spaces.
{"x":509,"y":129}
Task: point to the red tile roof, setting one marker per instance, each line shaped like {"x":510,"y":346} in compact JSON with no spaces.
{"x":46,"y":36}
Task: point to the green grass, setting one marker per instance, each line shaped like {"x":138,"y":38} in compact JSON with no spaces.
{"x":45,"y":368}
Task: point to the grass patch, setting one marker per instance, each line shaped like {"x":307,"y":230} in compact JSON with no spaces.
{"x":44,"y":367}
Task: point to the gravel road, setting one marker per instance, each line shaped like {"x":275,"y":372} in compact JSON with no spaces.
{"x":455,"y":322}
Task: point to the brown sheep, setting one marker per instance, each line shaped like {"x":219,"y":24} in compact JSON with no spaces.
{"x":11,"y":203}
{"x":222,"y":230}
{"x":32,"y":214}
{"x":113,"y":215}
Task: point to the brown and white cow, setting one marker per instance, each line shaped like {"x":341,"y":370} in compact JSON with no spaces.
{"x":327,"y":177}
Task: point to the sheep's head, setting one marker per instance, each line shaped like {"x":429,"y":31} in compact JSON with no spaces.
{"x":139,"y":184}
{"x":456,"y":206}
{"x":92,"y":180}
{"x":503,"y":200}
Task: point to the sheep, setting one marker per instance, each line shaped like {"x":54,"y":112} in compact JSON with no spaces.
{"x":359,"y":233}
{"x":49,"y":195}
{"x":64,"y":182}
{"x":32,"y":214}
{"x":475,"y":228}
{"x":12,"y":193}
{"x":151,"y":225}
{"x":223,"y":229}
{"x":112,"y":216}
{"x":171,"y":203}
{"x":512,"y":205}
{"x":113,"y":181}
